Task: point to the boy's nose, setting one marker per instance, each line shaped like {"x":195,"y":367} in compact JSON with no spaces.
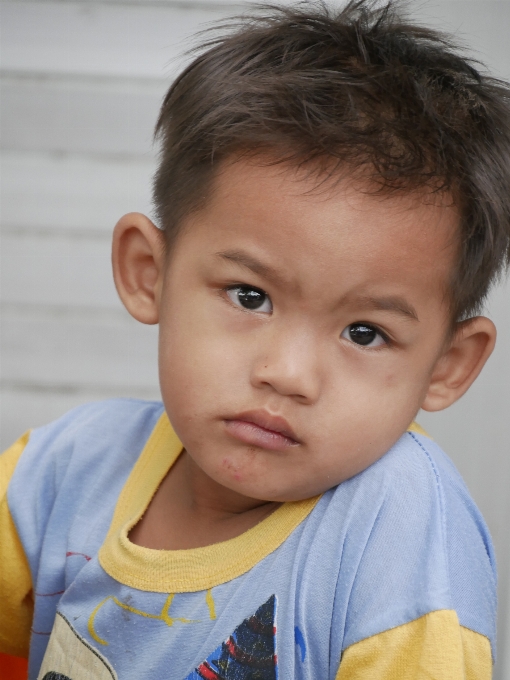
{"x":290,"y":366}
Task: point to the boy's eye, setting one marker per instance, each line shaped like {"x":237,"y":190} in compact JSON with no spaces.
{"x":363,"y":334}
{"x":250,"y":298}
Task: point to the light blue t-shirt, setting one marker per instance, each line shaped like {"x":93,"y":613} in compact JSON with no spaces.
{"x":399,"y":540}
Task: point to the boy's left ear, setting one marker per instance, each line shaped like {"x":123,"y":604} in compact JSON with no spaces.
{"x":460,"y":364}
{"x":138,"y":256}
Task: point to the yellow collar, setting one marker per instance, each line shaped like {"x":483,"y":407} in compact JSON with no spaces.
{"x":180,"y":571}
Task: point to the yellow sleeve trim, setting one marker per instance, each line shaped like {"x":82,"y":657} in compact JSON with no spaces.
{"x":16,"y":601}
{"x":433,"y":647}
{"x":184,"y":571}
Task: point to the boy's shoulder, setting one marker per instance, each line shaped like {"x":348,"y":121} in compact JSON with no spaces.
{"x":89,"y":443}
{"x":416,"y":542}
{"x":89,"y":431}
{"x":77,"y":465}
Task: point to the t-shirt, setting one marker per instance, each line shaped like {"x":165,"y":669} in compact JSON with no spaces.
{"x":389,"y":575}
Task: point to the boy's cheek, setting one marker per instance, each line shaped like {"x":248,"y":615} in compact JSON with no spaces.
{"x":202,"y":367}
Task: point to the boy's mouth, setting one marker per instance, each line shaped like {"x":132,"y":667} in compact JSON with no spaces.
{"x":260,"y":428}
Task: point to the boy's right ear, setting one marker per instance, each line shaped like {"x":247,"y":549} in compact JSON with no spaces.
{"x":138,"y":255}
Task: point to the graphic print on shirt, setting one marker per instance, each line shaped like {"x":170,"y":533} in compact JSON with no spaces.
{"x":70,"y":657}
{"x":163,"y":616}
{"x":248,"y":654}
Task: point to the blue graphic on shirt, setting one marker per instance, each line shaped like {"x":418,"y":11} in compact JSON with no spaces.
{"x":300,"y":642}
{"x":248,"y":654}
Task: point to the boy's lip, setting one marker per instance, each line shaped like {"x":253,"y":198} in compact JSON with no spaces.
{"x":262,"y":429}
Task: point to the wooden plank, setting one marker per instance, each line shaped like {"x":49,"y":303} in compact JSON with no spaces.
{"x":71,"y":349}
{"x":70,"y":192}
{"x":48,"y":269}
{"x":21,"y":409}
{"x":68,"y":114}
{"x":144,"y":40}
{"x":187,"y":4}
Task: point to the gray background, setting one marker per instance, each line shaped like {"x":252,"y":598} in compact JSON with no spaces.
{"x":81,"y":86}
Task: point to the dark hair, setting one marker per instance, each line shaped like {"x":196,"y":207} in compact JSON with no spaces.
{"x":360,"y":87}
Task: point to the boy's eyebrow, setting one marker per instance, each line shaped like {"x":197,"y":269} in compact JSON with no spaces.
{"x":245,"y":260}
{"x":391,"y":303}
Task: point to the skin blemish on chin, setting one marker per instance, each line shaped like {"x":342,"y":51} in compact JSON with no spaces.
{"x":229,"y":465}
{"x":237,"y":470}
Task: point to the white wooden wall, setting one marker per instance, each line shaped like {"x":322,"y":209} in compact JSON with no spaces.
{"x":81,"y":85}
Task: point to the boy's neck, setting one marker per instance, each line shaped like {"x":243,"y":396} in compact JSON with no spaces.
{"x":191,"y":510}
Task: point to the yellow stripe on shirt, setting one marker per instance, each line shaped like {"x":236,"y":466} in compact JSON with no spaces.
{"x":16,"y":610}
{"x":432,"y":647}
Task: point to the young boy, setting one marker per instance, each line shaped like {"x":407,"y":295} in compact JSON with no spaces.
{"x":333,"y":203}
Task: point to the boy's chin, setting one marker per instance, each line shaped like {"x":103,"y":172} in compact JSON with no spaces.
{"x":273,"y":492}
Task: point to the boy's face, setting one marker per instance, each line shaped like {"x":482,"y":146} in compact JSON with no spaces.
{"x":299,"y":331}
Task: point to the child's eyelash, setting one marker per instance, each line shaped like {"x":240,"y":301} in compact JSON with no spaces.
{"x":387,"y":340}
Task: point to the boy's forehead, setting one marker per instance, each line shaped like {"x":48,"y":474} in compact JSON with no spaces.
{"x":268,"y":195}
